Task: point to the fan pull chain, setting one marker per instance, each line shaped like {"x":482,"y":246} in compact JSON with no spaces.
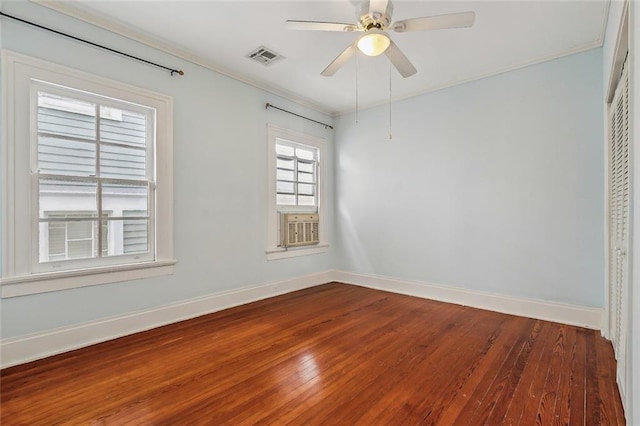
{"x":390,"y":72}
{"x":356,"y":55}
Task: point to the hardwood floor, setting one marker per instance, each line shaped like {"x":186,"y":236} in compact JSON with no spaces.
{"x":333,"y":354}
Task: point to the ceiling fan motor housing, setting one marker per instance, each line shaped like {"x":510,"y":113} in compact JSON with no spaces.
{"x":369,"y":20}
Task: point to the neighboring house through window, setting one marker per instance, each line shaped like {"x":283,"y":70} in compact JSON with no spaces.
{"x":65,"y":239}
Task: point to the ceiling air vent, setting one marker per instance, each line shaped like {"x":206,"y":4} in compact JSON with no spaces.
{"x":264,"y":55}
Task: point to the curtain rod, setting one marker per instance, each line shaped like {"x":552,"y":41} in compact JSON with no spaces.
{"x":326,"y":126}
{"x":172,"y":70}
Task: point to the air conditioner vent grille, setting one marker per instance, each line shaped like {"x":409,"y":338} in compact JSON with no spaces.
{"x":300,"y":229}
{"x":264,"y":55}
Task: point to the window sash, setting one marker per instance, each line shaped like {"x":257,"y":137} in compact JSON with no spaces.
{"x":296,"y":183}
{"x":102,"y":219}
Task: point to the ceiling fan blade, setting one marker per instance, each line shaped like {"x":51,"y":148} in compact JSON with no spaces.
{"x":397,"y":58}
{"x":438,"y":22}
{"x":339,"y":61}
{"x":378,"y":6}
{"x":319,"y":26}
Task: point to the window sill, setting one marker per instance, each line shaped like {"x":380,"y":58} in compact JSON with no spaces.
{"x":63,"y":280}
{"x":280,"y":253}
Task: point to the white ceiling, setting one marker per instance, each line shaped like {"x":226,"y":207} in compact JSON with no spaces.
{"x":218,"y":34}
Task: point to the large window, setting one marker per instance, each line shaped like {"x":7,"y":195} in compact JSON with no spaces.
{"x":95,"y":162}
{"x":297,"y":174}
{"x":89,"y":179}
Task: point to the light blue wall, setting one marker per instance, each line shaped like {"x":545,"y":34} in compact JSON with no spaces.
{"x":220,"y":177}
{"x":495,"y":185}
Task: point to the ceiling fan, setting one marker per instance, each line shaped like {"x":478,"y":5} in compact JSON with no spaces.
{"x":375,"y":21}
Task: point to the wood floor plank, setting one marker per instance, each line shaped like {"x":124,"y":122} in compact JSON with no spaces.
{"x":521,"y":394}
{"x":546,"y":407}
{"x":536,"y":389}
{"x":511,"y":376}
{"x":331,"y":354}
{"x":562,"y":409}
{"x":577,"y":394}
{"x":593,"y":413}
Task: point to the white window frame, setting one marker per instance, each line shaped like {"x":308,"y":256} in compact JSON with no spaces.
{"x":274,"y":251}
{"x":22,"y":273}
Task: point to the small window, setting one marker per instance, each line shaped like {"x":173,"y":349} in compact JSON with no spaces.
{"x":296,"y":185}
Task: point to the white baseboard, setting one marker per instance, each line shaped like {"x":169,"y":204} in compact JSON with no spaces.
{"x":27,"y":348}
{"x":582,"y":316}
{"x":18,"y":350}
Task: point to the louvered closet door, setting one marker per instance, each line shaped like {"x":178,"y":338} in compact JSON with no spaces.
{"x":619,"y":221}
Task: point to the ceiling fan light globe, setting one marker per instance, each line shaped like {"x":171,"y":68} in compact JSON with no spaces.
{"x":373,"y":44}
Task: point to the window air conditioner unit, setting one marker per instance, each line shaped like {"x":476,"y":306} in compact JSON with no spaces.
{"x":300,"y":229}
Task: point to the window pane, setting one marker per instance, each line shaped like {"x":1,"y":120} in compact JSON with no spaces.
{"x":284,"y":150}
{"x":79,"y":230}
{"x":64,"y":240}
{"x":117,"y":198}
{"x":285,"y":200}
{"x":284,"y":187}
{"x":284,"y":163}
{"x":66,"y":157}
{"x":59,"y":115}
{"x":285,"y":174}
{"x":80,"y":249}
{"x":122,"y":162}
{"x":305,"y":154}
{"x":305,"y":167}
{"x":128,"y":236}
{"x":306,"y":189}
{"x":67,"y":197}
{"x":135,"y":236}
{"x":306,"y":200}
{"x":57,"y":241}
{"x":124,"y":127}
{"x":305,"y":177}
